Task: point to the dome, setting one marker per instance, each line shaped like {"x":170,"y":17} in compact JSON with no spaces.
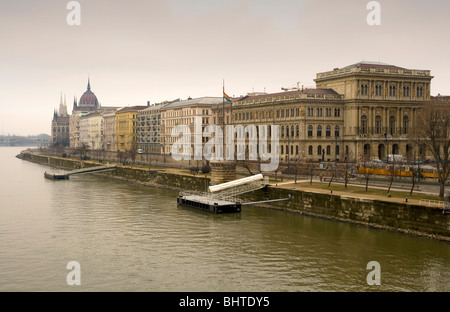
{"x":88,"y":98}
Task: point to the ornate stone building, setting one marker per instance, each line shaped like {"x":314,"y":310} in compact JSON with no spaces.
{"x":60,"y":126}
{"x":381,"y":103}
{"x":310,"y":122}
{"x":88,"y":103}
{"x":362,"y":111}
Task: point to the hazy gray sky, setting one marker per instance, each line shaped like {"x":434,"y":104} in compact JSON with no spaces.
{"x":156,"y":50}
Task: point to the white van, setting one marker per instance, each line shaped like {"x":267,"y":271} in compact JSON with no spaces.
{"x":396,"y":158}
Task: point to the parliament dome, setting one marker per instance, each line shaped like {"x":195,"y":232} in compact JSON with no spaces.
{"x":88,"y":98}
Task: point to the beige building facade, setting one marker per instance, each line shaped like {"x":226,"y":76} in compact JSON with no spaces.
{"x":381,"y":106}
{"x":310,"y":122}
{"x":362,"y":111}
{"x":184,"y":113}
{"x":109,"y":133}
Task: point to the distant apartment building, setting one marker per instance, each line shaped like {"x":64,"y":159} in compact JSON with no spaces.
{"x":126,"y":128}
{"x":149,"y":128}
{"x":83,"y":125}
{"x":183,"y":113}
{"x":95,"y":130}
{"x":109,"y":133}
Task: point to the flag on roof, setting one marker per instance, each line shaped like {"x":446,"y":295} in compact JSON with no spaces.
{"x":226,"y":97}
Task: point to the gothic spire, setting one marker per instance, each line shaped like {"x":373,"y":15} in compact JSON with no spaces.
{"x":89,"y":84}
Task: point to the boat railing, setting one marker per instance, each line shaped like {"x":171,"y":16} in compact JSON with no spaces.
{"x":212,"y":196}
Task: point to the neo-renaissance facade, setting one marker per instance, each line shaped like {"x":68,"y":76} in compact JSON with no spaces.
{"x":362,"y":111}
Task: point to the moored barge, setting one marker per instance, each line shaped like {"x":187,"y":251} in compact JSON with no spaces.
{"x":207,"y":203}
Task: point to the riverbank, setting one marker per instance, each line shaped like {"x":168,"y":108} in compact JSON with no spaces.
{"x":382,"y":213}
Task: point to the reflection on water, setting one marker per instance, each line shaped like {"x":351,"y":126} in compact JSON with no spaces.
{"x":133,"y":238}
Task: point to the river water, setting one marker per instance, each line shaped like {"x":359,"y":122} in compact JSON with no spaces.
{"x":132,"y":238}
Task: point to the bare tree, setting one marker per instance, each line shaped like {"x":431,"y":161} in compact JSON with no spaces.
{"x":246,"y":165}
{"x":432,"y":130}
{"x":415,"y":174}
{"x":367,"y":172}
{"x":333,"y":172}
{"x":393,"y":172}
{"x":133,"y":150}
{"x":310,"y":170}
{"x":83,"y":150}
{"x":123,"y":156}
{"x":347,"y":168}
{"x":297,"y":163}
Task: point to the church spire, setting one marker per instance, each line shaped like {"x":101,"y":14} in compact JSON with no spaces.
{"x":89,"y":84}
{"x":74,"y":103}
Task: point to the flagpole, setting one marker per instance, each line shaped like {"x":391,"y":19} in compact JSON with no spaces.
{"x":223,"y":103}
{"x":223,"y":116}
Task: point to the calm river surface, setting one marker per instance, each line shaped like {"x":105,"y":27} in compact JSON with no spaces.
{"x":132,"y":238}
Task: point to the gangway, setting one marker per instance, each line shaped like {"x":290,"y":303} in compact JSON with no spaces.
{"x":240,"y":186}
{"x":65,"y":175}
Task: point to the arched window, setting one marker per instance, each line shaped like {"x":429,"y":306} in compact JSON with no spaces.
{"x":364,"y":124}
{"x":310,"y":150}
{"x":282,"y":149}
{"x":282,"y":132}
{"x":328,"y":150}
{"x":298,"y":130}
{"x":395,"y":149}
{"x":336,"y":131}
{"x":328,"y":131}
{"x":296,"y":150}
{"x":392,"y":125}
{"x":310,"y":131}
{"x":419,"y":91}
{"x":319,"y":131}
{"x":378,"y":125}
{"x":319,"y":150}
{"x":364,"y":89}
{"x":405,"y":124}
{"x":292,"y":131}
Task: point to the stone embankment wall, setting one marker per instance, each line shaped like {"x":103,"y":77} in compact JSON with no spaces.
{"x":151,"y":177}
{"x":400,"y":217}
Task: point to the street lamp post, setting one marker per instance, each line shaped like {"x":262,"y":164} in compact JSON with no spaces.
{"x":387,"y":149}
